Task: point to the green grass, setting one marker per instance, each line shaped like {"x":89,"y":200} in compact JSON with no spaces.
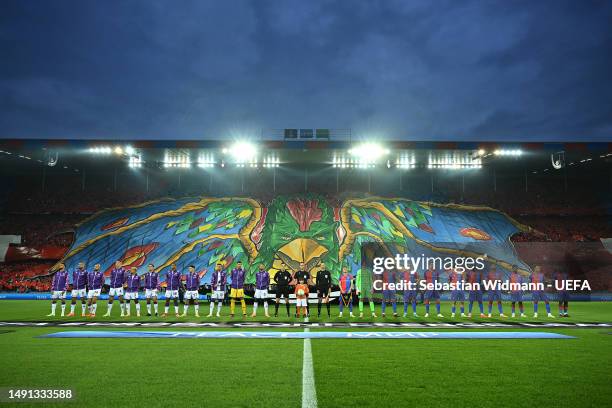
{"x":252,"y":373}
{"x":36,"y":310}
{"x":470,"y":373}
{"x":153,"y":373}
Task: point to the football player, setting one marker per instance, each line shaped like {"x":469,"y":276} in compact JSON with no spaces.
{"x":457,"y":295}
{"x":151,"y":285}
{"x":432,"y":276}
{"x":95,"y":280}
{"x":132,"y":286}
{"x":262,"y":282}
{"x":388,"y":294}
{"x":192,"y":282}
{"x":237,"y":276}
{"x":79,"y":284}
{"x":494,"y":294}
{"x":516,"y":296}
{"x":563,"y":294}
{"x":410,"y":293}
{"x":173,"y":282}
{"x":474,"y":277}
{"x":537,"y":277}
{"x":217,"y":288}
{"x":59,"y":286}
{"x":117,"y":279}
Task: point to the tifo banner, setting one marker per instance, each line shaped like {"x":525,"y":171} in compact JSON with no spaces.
{"x":289,"y":230}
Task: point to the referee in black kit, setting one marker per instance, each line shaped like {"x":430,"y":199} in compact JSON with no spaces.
{"x":323,"y":283}
{"x":282,"y":279}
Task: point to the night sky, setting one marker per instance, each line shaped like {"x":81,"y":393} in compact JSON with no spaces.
{"x":507,"y":70}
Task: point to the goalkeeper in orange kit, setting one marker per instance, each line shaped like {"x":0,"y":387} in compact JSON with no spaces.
{"x":301,"y":297}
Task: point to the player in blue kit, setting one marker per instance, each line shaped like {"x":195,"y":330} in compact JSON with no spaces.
{"x":431,"y":278}
{"x":516,"y":295}
{"x":457,"y":295}
{"x":410,"y":293}
{"x":474,"y":278}
{"x":494,"y":294}
{"x":537,"y":277}
{"x":563,"y":294}
{"x":388,"y":277}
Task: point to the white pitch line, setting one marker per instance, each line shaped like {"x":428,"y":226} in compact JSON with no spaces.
{"x":309,"y":391}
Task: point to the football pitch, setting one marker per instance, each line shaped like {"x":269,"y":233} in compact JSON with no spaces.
{"x":270,"y":372}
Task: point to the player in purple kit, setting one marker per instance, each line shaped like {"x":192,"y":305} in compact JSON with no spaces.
{"x":192,"y":282}
{"x":132,"y":286}
{"x":516,"y":295}
{"x":218,"y":281}
{"x":117,"y":279}
{"x":494,"y":294}
{"x":262,"y":282}
{"x":79,"y":283}
{"x":59,"y":286}
{"x":173,"y":282}
{"x":151,"y":285}
{"x":95,"y":280}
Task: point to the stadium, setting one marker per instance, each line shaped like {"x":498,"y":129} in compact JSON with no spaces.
{"x":316,"y":204}
{"x":291,"y":200}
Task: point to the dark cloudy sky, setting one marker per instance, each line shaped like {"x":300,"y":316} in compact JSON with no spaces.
{"x":539,"y":70}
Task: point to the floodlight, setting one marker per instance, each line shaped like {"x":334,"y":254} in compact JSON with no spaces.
{"x":242,"y":151}
{"x":368,"y":151}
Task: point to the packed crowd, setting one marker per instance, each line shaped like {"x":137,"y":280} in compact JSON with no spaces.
{"x":24,"y":277}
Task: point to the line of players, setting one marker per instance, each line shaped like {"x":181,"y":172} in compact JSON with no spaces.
{"x":458,"y":297}
{"x":126,"y":285}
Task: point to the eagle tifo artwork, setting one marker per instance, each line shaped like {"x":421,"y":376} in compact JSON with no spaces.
{"x":289,"y":230}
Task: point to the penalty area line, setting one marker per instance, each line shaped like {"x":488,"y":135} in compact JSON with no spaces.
{"x":309,"y":391}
